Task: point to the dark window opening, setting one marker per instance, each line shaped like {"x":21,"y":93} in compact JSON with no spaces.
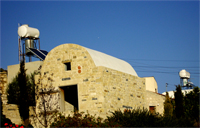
{"x":67,"y":66}
{"x":152,"y":109}
{"x":71,"y":95}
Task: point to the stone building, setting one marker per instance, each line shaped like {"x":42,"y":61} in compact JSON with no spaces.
{"x":91,"y":81}
{"x":94,"y":82}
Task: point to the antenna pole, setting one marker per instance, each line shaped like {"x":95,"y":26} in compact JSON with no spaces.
{"x":19,"y":45}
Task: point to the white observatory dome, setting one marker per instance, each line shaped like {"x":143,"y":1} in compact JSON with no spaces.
{"x":184,"y":74}
{"x":26,"y":31}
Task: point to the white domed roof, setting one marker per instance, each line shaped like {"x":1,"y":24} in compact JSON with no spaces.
{"x":102,"y":59}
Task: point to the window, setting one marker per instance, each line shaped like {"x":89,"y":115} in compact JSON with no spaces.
{"x":67,"y":66}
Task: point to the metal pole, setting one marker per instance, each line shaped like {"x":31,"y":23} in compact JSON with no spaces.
{"x":166,"y":86}
{"x":19,"y":48}
{"x":39,"y":43}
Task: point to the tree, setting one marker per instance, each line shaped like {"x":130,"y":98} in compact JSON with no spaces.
{"x":47,"y":98}
{"x":21,"y":91}
{"x":2,"y":70}
{"x":13,"y":90}
{"x":191,"y":104}
{"x":179,"y":102}
{"x":168,"y":107}
{"x":23,"y":95}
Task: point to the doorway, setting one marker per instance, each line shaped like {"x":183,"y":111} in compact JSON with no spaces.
{"x":70,"y":97}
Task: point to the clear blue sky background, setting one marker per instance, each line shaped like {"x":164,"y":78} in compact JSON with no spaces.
{"x":157,"y":38}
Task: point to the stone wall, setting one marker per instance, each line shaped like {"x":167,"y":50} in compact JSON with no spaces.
{"x":155,"y":99}
{"x":108,"y":90}
{"x":3,"y":86}
{"x":11,"y":111}
{"x":122,"y":91}
{"x":76,"y":82}
{"x":100,"y":90}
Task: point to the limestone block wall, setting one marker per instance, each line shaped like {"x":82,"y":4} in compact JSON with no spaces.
{"x":54,"y":67}
{"x":3,"y":86}
{"x":122,"y":91}
{"x":109,"y":90}
{"x":96,"y":89}
{"x":11,"y":111}
{"x":155,"y":99}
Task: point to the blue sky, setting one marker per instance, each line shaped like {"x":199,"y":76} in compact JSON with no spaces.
{"x":157,"y":38}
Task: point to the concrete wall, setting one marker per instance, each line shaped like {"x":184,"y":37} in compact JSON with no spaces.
{"x":151,"y":84}
{"x":30,"y":66}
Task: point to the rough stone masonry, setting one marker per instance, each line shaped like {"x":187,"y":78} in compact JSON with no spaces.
{"x":86,"y":80}
{"x":91,"y":81}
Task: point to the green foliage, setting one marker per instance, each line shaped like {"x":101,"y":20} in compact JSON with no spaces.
{"x":31,"y":89}
{"x":135,"y":118}
{"x":191,"y":104}
{"x":144,"y":118}
{"x":187,"y":107}
{"x":21,"y":91}
{"x":179,"y":102}
{"x":2,"y":70}
{"x":128,"y":118}
{"x":13,"y":90}
{"x":168,"y":107}
{"x":23,"y":96}
{"x":172,"y":121}
{"x":80,"y":120}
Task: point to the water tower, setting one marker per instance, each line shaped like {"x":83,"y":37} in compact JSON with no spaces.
{"x":184,"y":78}
{"x":29,"y":43}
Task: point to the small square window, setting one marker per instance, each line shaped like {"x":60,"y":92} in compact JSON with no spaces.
{"x":67,"y":66}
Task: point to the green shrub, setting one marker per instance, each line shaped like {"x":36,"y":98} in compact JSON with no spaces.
{"x":127,"y":118}
{"x":144,"y":118}
{"x":135,"y":118}
{"x":80,"y":120}
{"x":13,"y":90}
